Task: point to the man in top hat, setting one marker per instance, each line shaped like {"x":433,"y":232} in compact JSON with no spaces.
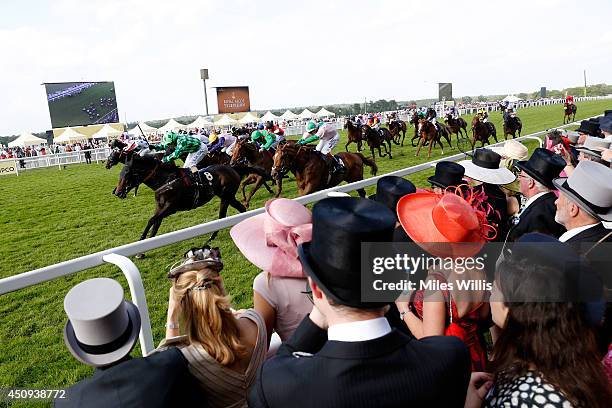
{"x":535,"y":178}
{"x":485,"y":168}
{"x":605,"y":125}
{"x":345,"y":353}
{"x":447,"y":174}
{"x":588,"y":127}
{"x":101,"y":331}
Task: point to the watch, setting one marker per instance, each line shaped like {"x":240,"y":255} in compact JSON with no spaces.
{"x":402,"y":314}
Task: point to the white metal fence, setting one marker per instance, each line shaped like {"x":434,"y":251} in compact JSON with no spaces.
{"x":118,"y":255}
{"x":61,"y":159}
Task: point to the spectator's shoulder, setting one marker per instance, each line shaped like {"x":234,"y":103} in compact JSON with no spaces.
{"x":448,"y":349}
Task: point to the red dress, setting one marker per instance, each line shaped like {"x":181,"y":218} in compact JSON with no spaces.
{"x":466,"y":327}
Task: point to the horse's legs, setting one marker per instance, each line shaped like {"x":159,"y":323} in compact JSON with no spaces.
{"x":279,"y":186}
{"x":148,"y":227}
{"x":419,"y":146}
{"x":389,"y":143}
{"x":431,"y":144}
{"x":373,"y":155}
{"x":359,"y":146}
{"x":268,"y":187}
{"x":361,"y":192}
{"x":346,"y":145}
{"x":258,"y":183}
{"x":249,"y":180}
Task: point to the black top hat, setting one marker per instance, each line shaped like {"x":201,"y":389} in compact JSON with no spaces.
{"x":589,"y":127}
{"x":390,"y":189}
{"x":447,"y":174}
{"x":543,"y":166}
{"x":333,"y":258}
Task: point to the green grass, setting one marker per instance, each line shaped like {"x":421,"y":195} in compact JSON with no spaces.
{"x":52,"y":215}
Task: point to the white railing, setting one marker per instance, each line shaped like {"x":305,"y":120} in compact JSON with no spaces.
{"x":61,"y":159}
{"x":118,"y":255}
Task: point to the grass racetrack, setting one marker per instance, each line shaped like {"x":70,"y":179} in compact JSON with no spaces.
{"x":52,"y":215}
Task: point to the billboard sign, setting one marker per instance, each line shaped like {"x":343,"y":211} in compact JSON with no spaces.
{"x":445,"y":91}
{"x":81,"y":103}
{"x":233,"y":99}
{"x":8,"y":167}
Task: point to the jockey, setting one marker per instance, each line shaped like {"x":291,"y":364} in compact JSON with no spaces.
{"x":196,"y":148}
{"x":328,"y":138}
{"x":569,"y":99}
{"x":140,"y":145}
{"x":484,"y":115}
{"x":373,"y":122}
{"x":277,"y":131}
{"x":268,"y":137}
{"x":453,"y":112}
{"x":223,"y":142}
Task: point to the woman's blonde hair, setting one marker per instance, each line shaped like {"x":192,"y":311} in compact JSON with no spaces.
{"x":208,"y":318}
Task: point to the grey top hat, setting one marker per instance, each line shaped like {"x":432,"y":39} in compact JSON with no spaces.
{"x":102,"y":326}
{"x":589,"y":186}
{"x":594,"y":146}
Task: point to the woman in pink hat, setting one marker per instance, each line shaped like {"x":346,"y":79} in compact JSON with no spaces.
{"x":446,"y":226}
{"x":270,"y":241}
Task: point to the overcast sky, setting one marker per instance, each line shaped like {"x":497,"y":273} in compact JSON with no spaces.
{"x":292,"y":53}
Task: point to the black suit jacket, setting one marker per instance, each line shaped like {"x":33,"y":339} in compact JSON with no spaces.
{"x":161,"y":380}
{"x":538,"y":217}
{"x":391,"y":371}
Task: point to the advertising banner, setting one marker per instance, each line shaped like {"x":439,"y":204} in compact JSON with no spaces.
{"x":8,"y":167}
{"x":233,"y":99}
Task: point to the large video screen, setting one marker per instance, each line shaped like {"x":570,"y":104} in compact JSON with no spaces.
{"x":81,"y":103}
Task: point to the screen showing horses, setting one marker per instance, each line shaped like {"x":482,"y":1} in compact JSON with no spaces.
{"x":81,"y":103}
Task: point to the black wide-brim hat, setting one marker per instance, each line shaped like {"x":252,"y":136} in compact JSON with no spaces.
{"x":589,"y":127}
{"x":448,"y":174}
{"x":333,"y":258}
{"x":543,"y":166}
{"x":389,"y":189}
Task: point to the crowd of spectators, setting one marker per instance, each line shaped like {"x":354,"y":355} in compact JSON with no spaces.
{"x":537,"y":334}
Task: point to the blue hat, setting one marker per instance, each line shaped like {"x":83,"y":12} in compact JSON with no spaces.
{"x":260,"y":126}
{"x":605,"y":124}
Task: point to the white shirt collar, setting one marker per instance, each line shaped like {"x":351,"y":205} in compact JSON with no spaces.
{"x":607,"y":224}
{"x":532,"y":199}
{"x":575,"y":231}
{"x":362,"y":330}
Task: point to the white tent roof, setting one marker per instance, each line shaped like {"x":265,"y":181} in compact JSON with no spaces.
{"x":248,"y":118}
{"x":225,"y":121}
{"x":26,"y":139}
{"x":324,"y":113}
{"x":269,"y":116}
{"x":289,"y":115}
{"x":200,"y":122}
{"x":172,"y":125}
{"x":306,"y":114}
{"x":106,"y":132}
{"x":69,"y":136}
{"x":511,"y":98}
{"x":145,"y":128}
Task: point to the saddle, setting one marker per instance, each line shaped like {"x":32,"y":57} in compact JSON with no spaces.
{"x":200,"y":182}
{"x":335,"y":166}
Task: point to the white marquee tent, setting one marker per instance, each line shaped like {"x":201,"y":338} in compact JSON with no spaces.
{"x":511,"y":98}
{"x":269,"y":116}
{"x":172,"y":125}
{"x":69,"y":136}
{"x":306,"y":114}
{"x":145,"y":129}
{"x":324,"y":113}
{"x":288,"y":115}
{"x":249,"y":118}
{"x":26,"y":139}
{"x":225,"y":121}
{"x":200,"y":122}
{"x":106,"y":132}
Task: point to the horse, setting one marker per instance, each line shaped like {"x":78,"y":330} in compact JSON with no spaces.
{"x":175,"y":190}
{"x":457,"y":126}
{"x":395,"y":127}
{"x":428,"y":134}
{"x":481,"y":131}
{"x":414,"y":120}
{"x":311,"y":170}
{"x":569,"y":110}
{"x":512,"y":124}
{"x":376,"y":140}
{"x":248,"y":153}
{"x":354,"y":135}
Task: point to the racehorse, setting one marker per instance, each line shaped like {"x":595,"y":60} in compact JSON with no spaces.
{"x":481,"y":131}
{"x":428,"y":134}
{"x":311,"y":170}
{"x":376,"y":140}
{"x":354,"y":135}
{"x":248,"y":153}
{"x":512,"y":124}
{"x":457,"y":126}
{"x":569,"y":110}
{"x":395,"y":127}
{"x":414,"y":120}
{"x":175,"y":189}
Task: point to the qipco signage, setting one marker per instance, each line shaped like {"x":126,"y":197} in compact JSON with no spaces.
{"x":8,"y":167}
